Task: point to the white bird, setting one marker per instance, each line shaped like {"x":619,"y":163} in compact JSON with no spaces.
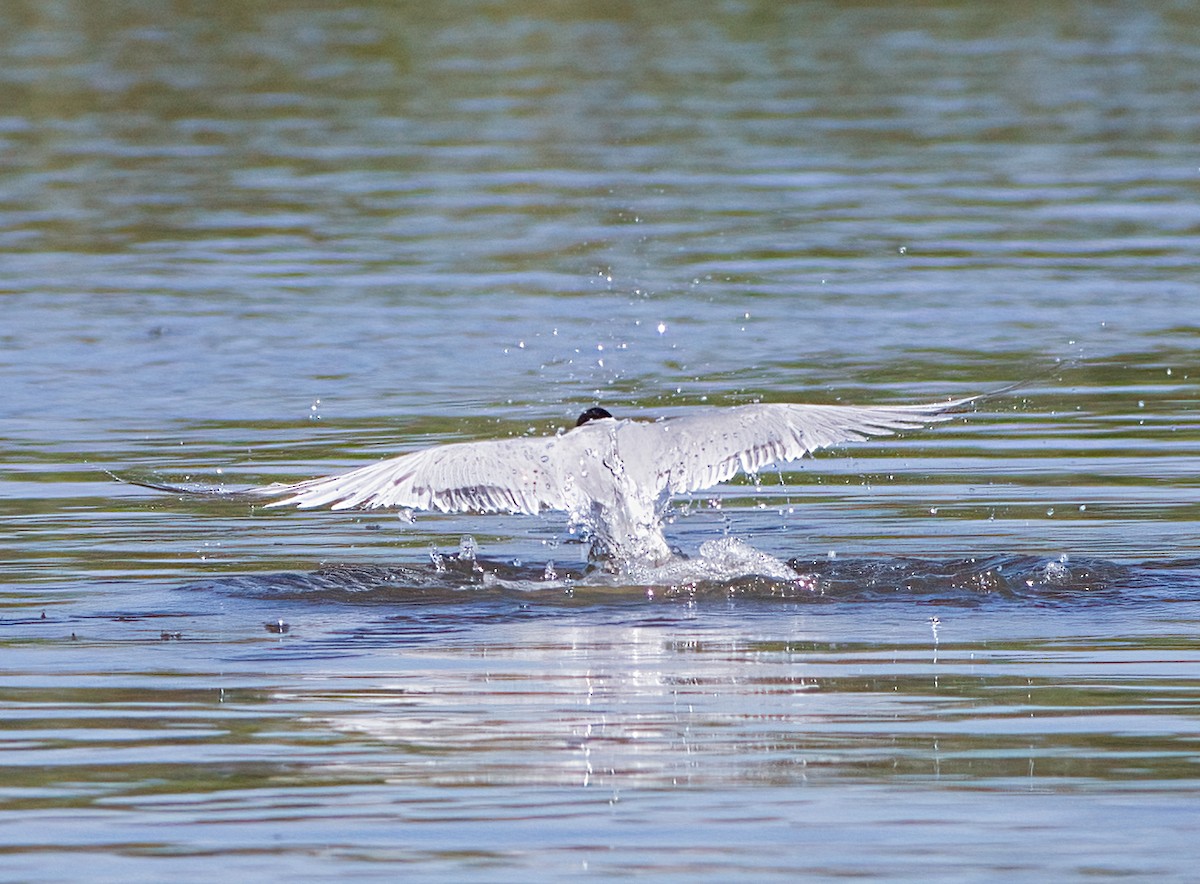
{"x":614,"y":478}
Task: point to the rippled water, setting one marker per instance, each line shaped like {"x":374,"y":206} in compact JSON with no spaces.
{"x":266,"y":242}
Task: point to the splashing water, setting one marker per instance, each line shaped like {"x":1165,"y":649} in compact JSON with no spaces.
{"x":438,"y":560}
{"x":1057,"y":573}
{"x":726,"y":558}
{"x":730,"y":568}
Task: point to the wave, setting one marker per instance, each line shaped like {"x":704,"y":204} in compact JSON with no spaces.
{"x":972,"y":581}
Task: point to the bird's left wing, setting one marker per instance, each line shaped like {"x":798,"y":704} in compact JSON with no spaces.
{"x":708,"y":447}
{"x":503,"y":475}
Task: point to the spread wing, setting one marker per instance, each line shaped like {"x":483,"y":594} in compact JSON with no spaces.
{"x":528,"y":475}
{"x":706,"y":448}
{"x":503,"y":475}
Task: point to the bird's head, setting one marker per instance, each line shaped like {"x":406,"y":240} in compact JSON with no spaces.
{"x":592,"y":414}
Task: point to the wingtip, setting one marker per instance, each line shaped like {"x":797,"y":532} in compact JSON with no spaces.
{"x":204,"y":491}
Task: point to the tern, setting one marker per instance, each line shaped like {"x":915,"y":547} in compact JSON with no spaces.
{"x":613,"y":477}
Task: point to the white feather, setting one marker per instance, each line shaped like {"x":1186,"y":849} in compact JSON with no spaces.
{"x":613,"y":476}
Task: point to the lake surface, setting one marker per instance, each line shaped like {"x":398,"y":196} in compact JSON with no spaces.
{"x":262,"y":242}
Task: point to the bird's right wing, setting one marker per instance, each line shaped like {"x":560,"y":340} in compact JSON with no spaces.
{"x":502,"y":475}
{"x":708,"y":447}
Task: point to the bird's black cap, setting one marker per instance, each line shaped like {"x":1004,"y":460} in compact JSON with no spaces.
{"x":592,"y":414}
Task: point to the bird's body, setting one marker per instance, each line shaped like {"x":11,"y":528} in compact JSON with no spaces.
{"x":614,"y":478}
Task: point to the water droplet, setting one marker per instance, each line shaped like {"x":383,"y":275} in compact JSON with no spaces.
{"x":467,"y":548}
{"x":1057,"y":572}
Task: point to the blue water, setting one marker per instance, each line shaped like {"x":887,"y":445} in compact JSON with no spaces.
{"x":259,"y":244}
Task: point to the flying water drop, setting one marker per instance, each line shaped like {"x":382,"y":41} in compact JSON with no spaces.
{"x":467,"y":548}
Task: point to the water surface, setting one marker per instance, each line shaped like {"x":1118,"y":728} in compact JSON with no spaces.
{"x":259,"y":244}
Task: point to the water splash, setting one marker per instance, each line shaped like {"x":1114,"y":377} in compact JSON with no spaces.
{"x":437,"y":559}
{"x":1056,"y":573}
{"x":728,"y":568}
{"x":726,"y":558}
